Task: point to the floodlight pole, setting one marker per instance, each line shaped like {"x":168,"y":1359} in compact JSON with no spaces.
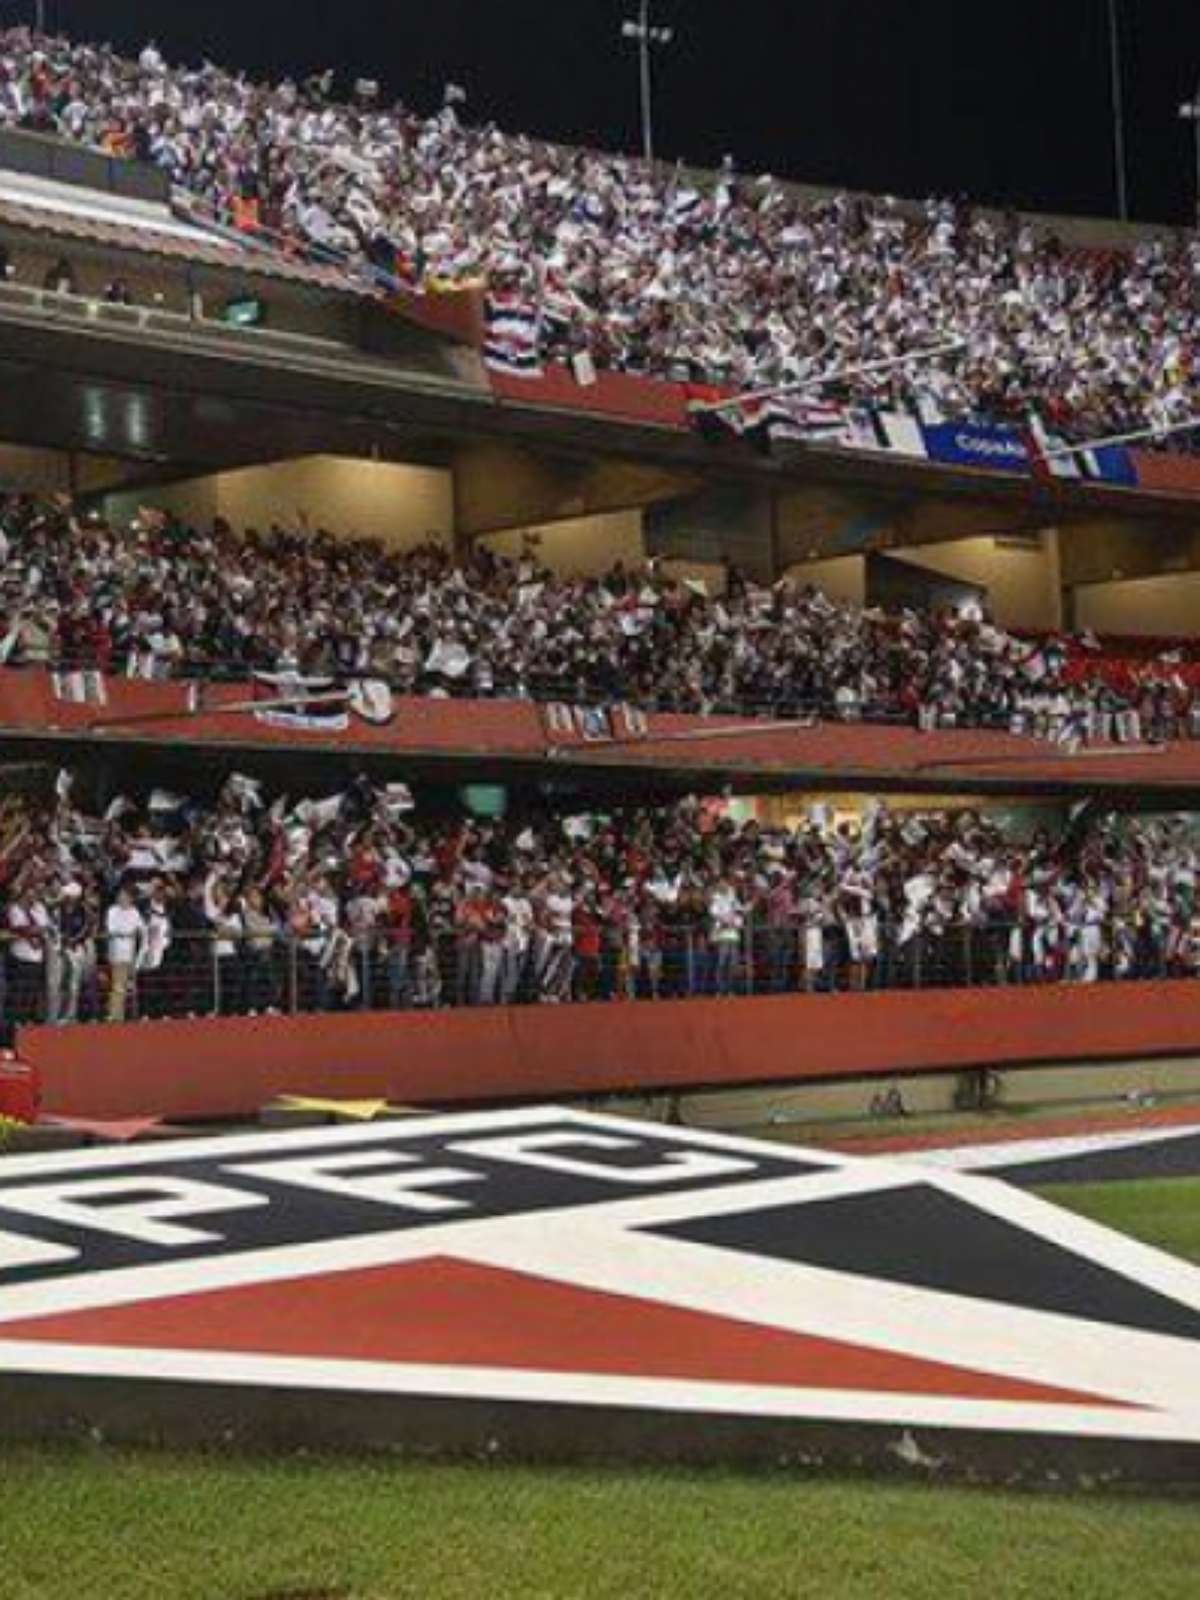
{"x":646,"y":36}
{"x":647,"y":86}
{"x":1189,"y":111}
{"x":1118,"y":109}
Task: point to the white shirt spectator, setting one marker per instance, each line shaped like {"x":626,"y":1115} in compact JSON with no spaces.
{"x":126,"y":930}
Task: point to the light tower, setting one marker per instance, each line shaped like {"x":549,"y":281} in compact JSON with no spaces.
{"x":1189,"y":111}
{"x":647,"y":36}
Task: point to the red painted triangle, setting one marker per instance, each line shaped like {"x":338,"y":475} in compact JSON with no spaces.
{"x":445,"y":1312}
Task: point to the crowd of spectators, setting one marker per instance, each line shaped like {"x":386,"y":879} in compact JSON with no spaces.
{"x":724,"y":278}
{"x":157,"y":599}
{"x":167,"y":905}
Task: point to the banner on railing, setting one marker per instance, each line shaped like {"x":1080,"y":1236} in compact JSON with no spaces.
{"x":84,"y":688}
{"x":320,"y":704}
{"x":977,"y":444}
{"x":1053,"y":456}
{"x":289,"y":700}
{"x":512,"y":334}
{"x":568,"y":724}
{"x":1028,"y":451}
{"x":789,"y":419}
{"x":898,"y":432}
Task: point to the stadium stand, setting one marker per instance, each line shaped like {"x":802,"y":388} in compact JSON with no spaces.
{"x":155,"y":625}
{"x":491,"y":625}
{"x":156,"y":600}
{"x":728,"y":279}
{"x":173,"y":906}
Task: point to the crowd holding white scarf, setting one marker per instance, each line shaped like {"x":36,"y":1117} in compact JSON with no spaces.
{"x":724,"y":279}
{"x":370,"y":899}
{"x":155,"y":599}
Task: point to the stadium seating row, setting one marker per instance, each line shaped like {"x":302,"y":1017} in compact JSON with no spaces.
{"x":157,"y":600}
{"x":172,"y":906}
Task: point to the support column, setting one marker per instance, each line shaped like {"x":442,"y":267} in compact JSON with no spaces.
{"x":731,"y":524}
{"x":497,"y":487}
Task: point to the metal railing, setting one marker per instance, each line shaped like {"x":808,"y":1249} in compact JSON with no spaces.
{"x":65,"y":306}
{"x":214,"y":974}
{"x":1127,"y":726}
{"x":71,"y":161}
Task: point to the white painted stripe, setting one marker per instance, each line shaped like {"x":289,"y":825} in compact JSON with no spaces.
{"x":1023,"y":1152}
{"x":24,"y":1167}
{"x":1141,"y":1263}
{"x":492,"y":1383}
{"x":463,"y":1238}
{"x":1033,"y":1346}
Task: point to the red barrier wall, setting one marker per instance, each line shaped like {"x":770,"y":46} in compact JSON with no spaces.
{"x":1167,"y":473}
{"x":156,"y":711}
{"x":18,"y":1090}
{"x":234,"y":1066}
{"x":457,"y":314}
{"x":622,"y":396}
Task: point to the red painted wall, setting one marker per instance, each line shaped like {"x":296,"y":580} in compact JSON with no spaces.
{"x":621,"y":396}
{"x":1167,"y":473}
{"x":457,"y":314}
{"x":156,"y":711}
{"x":233,"y":1066}
{"x":18,"y":1090}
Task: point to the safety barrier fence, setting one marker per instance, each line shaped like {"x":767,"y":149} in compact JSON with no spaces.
{"x":1123,"y":724}
{"x":206,"y":974}
{"x":72,"y":308}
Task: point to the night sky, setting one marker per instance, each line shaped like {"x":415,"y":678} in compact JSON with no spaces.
{"x":1003,"y":100}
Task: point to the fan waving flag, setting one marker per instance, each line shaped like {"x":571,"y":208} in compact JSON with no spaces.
{"x":781,"y":419}
{"x":512,"y":334}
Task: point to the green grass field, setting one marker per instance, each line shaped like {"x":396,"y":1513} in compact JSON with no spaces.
{"x":1160,"y":1211}
{"x":146,"y":1528}
{"x":135,"y":1526}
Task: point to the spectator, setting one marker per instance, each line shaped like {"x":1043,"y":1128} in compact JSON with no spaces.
{"x":29,"y":928}
{"x":726,"y":918}
{"x":77,"y":928}
{"x":126,"y":931}
{"x":517,"y":940}
{"x":258,"y":951}
{"x":153,"y":996}
{"x":555,"y":957}
{"x":60,"y":277}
